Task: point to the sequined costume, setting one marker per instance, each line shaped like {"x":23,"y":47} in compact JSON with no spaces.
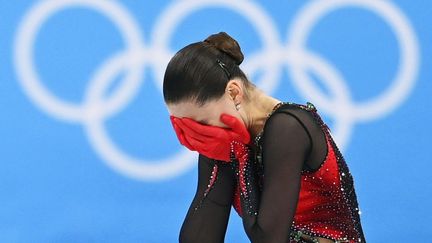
{"x":295,"y":182}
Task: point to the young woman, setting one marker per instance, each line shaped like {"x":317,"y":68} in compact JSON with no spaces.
{"x":275,"y":162}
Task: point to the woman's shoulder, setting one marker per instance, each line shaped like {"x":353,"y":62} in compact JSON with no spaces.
{"x":291,"y":116}
{"x":298,"y":107}
{"x":286,"y":111}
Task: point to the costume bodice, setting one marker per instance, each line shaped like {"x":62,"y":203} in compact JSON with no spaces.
{"x":327,"y":205}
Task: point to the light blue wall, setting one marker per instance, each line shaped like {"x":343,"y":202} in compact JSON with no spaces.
{"x":87,"y":150}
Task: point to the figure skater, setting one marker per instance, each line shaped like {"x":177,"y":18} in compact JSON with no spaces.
{"x":275,"y":162}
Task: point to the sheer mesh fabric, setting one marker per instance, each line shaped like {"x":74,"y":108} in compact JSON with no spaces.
{"x":291,"y":142}
{"x":318,"y":146}
{"x":207,"y":222}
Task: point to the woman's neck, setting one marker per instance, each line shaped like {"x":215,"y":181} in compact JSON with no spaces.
{"x":257,"y":110}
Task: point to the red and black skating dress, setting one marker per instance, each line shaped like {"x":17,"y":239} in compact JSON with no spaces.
{"x":295,"y":181}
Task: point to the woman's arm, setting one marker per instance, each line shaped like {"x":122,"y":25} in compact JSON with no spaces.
{"x":285,"y":146}
{"x":207,"y":218}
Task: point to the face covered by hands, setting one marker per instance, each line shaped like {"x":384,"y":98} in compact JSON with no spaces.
{"x":216,"y":143}
{"x":212,"y":141}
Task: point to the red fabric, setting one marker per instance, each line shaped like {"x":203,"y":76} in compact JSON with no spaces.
{"x":321,"y":207}
{"x":211,"y":141}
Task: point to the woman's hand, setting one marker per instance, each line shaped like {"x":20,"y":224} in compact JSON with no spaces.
{"x":217,"y":143}
{"x":211,"y":141}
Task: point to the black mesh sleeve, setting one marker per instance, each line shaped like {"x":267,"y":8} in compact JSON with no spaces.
{"x":207,"y":217}
{"x":286,"y":143}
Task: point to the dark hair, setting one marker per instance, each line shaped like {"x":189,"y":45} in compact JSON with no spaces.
{"x":200,"y":71}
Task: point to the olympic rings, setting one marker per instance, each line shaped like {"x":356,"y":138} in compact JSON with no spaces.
{"x":293,"y":55}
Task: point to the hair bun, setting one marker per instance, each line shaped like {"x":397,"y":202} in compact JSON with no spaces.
{"x":226,"y":44}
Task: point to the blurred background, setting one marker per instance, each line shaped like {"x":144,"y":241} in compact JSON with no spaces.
{"x":87,"y":150}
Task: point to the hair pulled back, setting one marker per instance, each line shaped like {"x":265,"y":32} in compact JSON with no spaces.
{"x":200,"y":71}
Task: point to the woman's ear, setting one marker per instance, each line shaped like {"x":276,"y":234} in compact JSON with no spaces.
{"x":235,"y":90}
